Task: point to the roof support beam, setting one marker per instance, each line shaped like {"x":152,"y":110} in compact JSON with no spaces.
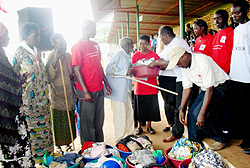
{"x":158,"y":23}
{"x":127,"y":24}
{"x":155,"y":13}
{"x":149,"y":2}
{"x":137,"y":26}
{"x":182,"y":18}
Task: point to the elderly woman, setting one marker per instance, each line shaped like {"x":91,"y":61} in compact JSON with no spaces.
{"x":61,"y":130}
{"x":27,"y":62}
{"x":15,"y":150}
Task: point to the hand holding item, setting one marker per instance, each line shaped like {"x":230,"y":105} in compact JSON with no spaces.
{"x":109,"y":90}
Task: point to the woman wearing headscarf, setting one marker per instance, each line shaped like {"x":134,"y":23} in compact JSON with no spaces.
{"x":203,"y":43}
{"x":27,"y":62}
{"x":61,"y":130}
{"x":15,"y":150}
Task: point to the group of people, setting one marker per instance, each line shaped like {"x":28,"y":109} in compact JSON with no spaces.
{"x":219,"y":68}
{"x":35,"y":98}
{"x":212,"y":82}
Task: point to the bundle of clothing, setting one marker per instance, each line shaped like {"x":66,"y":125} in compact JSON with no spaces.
{"x":94,"y":150}
{"x":131,"y":143}
{"x":183,"y":149}
{"x":207,"y":158}
{"x":144,"y":158}
{"x":61,"y":161}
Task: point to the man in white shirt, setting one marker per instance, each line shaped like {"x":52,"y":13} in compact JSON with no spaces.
{"x":206,"y":112}
{"x":172,"y":80}
{"x":240,"y":74}
{"x":121,"y":105}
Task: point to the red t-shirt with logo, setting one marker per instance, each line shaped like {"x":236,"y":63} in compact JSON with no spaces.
{"x":203,"y":45}
{"x":222,"y":48}
{"x":139,"y":88}
{"x":87,"y":54}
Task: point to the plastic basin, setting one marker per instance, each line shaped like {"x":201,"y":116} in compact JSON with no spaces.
{"x":86,"y":159}
{"x":143,"y":71}
{"x":185,"y":163}
{"x":123,"y":154}
{"x":173,"y":162}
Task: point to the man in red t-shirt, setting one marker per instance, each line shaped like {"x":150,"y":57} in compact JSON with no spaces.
{"x":223,"y":41}
{"x":86,"y":57}
{"x":222,"y":47}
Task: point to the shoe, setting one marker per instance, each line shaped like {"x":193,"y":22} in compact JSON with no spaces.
{"x":138,"y":131}
{"x":150,"y":130}
{"x":218,"y":146}
{"x":246,"y":151}
{"x":166,"y":129}
{"x":169,"y":139}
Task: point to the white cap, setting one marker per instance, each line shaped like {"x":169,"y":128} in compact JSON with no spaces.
{"x":174,"y":55}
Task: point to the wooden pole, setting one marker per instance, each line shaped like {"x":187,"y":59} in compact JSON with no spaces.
{"x":67,"y":105}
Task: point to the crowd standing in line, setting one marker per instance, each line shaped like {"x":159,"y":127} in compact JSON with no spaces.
{"x":121,"y":105}
{"x":28,"y":64}
{"x":15,"y":147}
{"x":219,"y":65}
{"x":146,"y":99}
{"x":58,"y":109}
{"x":240,"y":74}
{"x":170,"y":40}
{"x":86,"y":54}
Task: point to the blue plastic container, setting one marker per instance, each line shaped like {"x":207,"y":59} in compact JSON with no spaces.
{"x":86,"y":160}
{"x":123,"y":154}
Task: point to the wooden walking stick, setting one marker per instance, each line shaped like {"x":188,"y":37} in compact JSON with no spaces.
{"x":67,"y":105}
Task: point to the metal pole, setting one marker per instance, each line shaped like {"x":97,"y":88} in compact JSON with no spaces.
{"x":137,"y":26}
{"x":182,"y":18}
{"x":127,"y":24}
{"x":122,"y":28}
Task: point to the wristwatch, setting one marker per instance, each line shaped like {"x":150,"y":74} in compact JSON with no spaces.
{"x":180,"y":108}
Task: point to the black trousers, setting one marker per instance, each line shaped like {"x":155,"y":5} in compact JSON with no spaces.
{"x":168,"y":82}
{"x":178,"y":128}
{"x":239,"y":111}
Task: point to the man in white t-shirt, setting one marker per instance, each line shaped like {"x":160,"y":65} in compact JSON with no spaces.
{"x":172,"y":80}
{"x":206,"y":112}
{"x":240,"y":74}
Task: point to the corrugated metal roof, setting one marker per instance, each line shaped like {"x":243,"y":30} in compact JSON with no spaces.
{"x":155,"y":13}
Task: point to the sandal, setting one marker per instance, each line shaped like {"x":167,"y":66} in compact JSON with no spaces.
{"x":150,"y":130}
{"x":138,"y":131}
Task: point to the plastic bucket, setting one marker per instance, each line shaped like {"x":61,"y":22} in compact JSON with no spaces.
{"x":123,"y":154}
{"x":133,"y":166}
{"x":86,"y":159}
{"x":185,"y":163}
{"x":173,"y":162}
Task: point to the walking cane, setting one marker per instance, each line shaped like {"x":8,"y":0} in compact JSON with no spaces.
{"x":67,"y":105}
{"x":145,"y":83}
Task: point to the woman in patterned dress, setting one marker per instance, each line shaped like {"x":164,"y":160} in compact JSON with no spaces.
{"x":15,"y":150}
{"x":58,"y":109}
{"x":27,"y":62}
